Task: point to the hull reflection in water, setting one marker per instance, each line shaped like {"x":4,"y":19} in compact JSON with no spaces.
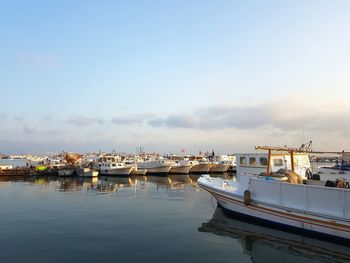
{"x":195,"y":177}
{"x":265,"y":244}
{"x":113,"y":183}
{"x":173,"y":181}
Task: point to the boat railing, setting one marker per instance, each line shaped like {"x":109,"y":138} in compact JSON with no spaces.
{"x":309,"y":198}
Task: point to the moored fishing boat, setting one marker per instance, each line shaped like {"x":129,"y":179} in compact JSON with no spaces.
{"x":218,"y":167}
{"x":138,"y":171}
{"x":159,"y":166}
{"x":115,"y":169}
{"x":86,"y":172}
{"x":115,"y":165}
{"x":180,"y":167}
{"x":201,"y":165}
{"x":66,"y":172}
{"x":284,"y":200}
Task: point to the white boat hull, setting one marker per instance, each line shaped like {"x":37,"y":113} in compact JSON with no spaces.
{"x":180,"y":169}
{"x":117,"y":171}
{"x":297,"y":219}
{"x":158,"y":170}
{"x":219,"y":168}
{"x":201,"y":168}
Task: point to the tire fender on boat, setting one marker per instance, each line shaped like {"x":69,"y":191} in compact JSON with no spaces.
{"x":246,"y":197}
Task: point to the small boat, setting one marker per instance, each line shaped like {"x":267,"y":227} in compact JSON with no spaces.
{"x":284,"y":199}
{"x":65,"y":172}
{"x":86,"y":172}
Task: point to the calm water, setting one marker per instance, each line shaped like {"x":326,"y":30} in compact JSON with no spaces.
{"x":154,"y":219}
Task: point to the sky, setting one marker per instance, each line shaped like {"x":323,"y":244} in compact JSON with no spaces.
{"x":195,"y":75}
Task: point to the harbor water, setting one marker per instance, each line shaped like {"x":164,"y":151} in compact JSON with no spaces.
{"x":138,"y":219}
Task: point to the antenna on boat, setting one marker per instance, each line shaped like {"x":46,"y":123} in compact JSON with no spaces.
{"x":306,"y":147}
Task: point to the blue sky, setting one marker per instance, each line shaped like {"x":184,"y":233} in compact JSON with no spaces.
{"x":167,"y":75}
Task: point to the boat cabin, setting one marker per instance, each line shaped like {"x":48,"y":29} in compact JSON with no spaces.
{"x":256,"y":163}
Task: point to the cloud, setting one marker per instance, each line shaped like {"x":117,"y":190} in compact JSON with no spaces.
{"x":286,"y":115}
{"x":131,"y":119}
{"x":81,"y":121}
{"x":34,"y":130}
{"x":175,"y":121}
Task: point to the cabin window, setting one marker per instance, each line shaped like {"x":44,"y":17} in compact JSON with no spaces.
{"x":252,"y":161}
{"x":263,"y":161}
{"x":242,"y":161}
{"x":113,"y":164}
{"x":278,"y":162}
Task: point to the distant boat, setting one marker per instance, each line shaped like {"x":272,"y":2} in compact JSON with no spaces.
{"x":180,"y":167}
{"x":112,"y":165}
{"x":159,"y":166}
{"x":86,"y":172}
{"x":219,"y":167}
{"x":115,"y":168}
{"x":65,"y":172}
{"x":201,"y":165}
{"x":138,"y":171}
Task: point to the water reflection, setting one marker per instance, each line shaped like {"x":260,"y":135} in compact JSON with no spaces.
{"x":264,"y":244}
{"x":112,"y":184}
{"x":68,"y":184}
{"x":174,"y":181}
{"x":109,"y":184}
{"x":195,"y":177}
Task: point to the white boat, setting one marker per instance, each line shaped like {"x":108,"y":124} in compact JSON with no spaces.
{"x":111,"y":165}
{"x":201,"y":166}
{"x":86,"y":172}
{"x":219,"y":167}
{"x":284,"y":200}
{"x":159,"y":166}
{"x":222,"y":163}
{"x":115,"y":168}
{"x":180,"y":167}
